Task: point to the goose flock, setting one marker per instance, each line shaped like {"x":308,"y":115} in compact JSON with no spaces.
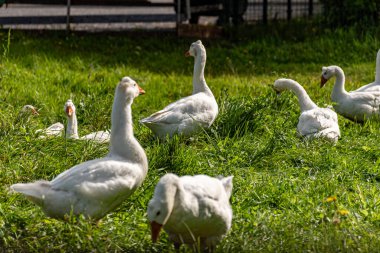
{"x":193,"y":210}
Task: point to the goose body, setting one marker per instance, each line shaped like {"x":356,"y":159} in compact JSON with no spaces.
{"x":191,"y":208}
{"x":96,"y":187}
{"x":189,"y":114}
{"x":55,"y":129}
{"x":374,"y":86}
{"x":314,"y":122}
{"x":72,"y":126}
{"x":356,"y":106}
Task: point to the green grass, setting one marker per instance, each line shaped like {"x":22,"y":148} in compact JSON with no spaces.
{"x":281,"y":182}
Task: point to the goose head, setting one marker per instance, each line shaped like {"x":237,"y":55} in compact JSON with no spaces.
{"x":130,"y":88}
{"x":195,"y":48}
{"x":29,"y":108}
{"x":162,"y":203}
{"x":280,"y":85}
{"x":327,"y":73}
{"x":69,"y":108}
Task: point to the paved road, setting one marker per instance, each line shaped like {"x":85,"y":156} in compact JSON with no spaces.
{"x":22,"y":10}
{"x":276,"y":10}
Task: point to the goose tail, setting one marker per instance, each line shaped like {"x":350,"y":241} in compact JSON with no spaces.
{"x":227,"y":183}
{"x":35,"y":192}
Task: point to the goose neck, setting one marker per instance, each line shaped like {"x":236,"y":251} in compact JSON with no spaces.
{"x":72,"y":127}
{"x":304,"y":100}
{"x":169,"y":194}
{"x":338,"y":89}
{"x":123,"y":143}
{"x":377,"y":76}
{"x":199,"y":82}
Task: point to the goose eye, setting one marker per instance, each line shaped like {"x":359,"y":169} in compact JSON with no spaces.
{"x":158,"y":213}
{"x":134,"y":84}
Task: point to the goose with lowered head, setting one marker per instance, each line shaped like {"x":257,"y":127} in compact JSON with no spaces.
{"x":191,"y":208}
{"x":314,"y":122}
{"x":375,"y":85}
{"x":96,"y":187}
{"x":189,"y":114}
{"x":72,"y":126}
{"x":356,"y":106}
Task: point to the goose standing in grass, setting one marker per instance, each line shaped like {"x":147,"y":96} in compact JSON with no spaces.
{"x":191,"y":208}
{"x":72,"y":126}
{"x":314,"y":122}
{"x":96,"y":187}
{"x":356,"y":106}
{"x":189,"y":114}
{"x":374,"y":86}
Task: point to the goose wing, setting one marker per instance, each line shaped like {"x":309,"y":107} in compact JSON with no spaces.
{"x":316,"y":120}
{"x":101,"y":178}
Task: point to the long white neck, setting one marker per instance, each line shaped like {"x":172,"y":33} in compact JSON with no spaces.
{"x":169,"y":192}
{"x":199,"y":82}
{"x":123,"y":143}
{"x":338,"y":89}
{"x":304,"y":100}
{"x":72,"y":127}
{"x":377,"y":76}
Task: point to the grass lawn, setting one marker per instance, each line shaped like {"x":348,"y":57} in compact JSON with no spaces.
{"x":281,"y":182}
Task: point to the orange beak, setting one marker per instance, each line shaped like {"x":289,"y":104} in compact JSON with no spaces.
{"x":34,"y":111}
{"x":155,"y":228}
{"x":69,"y":111}
{"x":187,"y":53}
{"x":323,"y":81}
{"x":141,"y":91}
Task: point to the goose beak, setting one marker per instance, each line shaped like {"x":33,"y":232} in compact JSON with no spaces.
{"x":69,"y":111}
{"x":155,"y":228}
{"x":187,"y":53}
{"x":34,"y":111}
{"x":141,"y":91}
{"x":278,"y":93}
{"x":323,"y":81}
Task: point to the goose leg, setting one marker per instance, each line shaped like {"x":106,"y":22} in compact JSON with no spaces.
{"x":177,"y":246}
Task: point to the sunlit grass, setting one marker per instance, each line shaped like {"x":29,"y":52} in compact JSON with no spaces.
{"x":282,"y":183}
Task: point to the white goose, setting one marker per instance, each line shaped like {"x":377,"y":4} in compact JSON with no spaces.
{"x":191,"y":208}
{"x":29,"y":109}
{"x":55,"y":129}
{"x":96,"y":187}
{"x":356,"y":106}
{"x":374,"y":86}
{"x":314,"y":122}
{"x":191,"y":113}
{"x":72,"y":126}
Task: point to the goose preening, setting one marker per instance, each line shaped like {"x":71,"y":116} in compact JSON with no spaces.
{"x":356,"y":106}
{"x":191,"y":113}
{"x":96,"y":187}
{"x":374,"y":86}
{"x":72,"y":126}
{"x":314,"y":122}
{"x":191,"y":208}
